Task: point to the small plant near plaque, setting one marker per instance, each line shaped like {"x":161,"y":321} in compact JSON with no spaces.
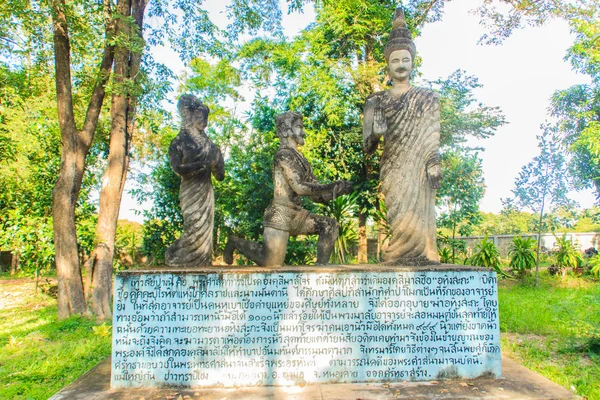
{"x":451,"y":250}
{"x":486,"y":254}
{"x":103,"y":330}
{"x":522,"y":255}
{"x":445,"y":254}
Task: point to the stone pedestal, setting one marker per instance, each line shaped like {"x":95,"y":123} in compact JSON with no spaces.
{"x":295,"y":325}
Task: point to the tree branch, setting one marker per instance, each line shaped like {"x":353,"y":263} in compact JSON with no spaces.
{"x":62,"y":64}
{"x":97,"y":98}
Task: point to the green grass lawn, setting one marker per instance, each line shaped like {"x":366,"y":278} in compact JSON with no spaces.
{"x":553,"y":329}
{"x":39,"y":354}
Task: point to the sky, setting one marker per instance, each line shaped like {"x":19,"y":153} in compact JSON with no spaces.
{"x":518,"y":76}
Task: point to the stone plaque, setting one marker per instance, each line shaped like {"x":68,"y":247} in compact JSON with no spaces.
{"x":287,"y":328}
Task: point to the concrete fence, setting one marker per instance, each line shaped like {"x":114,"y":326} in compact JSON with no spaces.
{"x":582,"y":241}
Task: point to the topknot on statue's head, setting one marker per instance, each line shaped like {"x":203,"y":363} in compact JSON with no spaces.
{"x":285,"y":121}
{"x":400,"y":37}
{"x":189,"y":104}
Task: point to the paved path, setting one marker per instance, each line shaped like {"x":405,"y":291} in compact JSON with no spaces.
{"x":517,"y":383}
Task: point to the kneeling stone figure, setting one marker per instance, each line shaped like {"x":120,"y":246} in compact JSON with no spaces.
{"x":292,"y":179}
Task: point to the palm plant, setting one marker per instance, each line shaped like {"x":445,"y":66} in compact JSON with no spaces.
{"x":595,"y":265}
{"x":566,"y":254}
{"x":486,"y":254}
{"x":445,"y":254}
{"x":344,"y":210}
{"x":522,"y":254}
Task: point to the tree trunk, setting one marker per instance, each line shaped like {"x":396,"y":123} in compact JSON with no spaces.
{"x":539,"y":244}
{"x":68,"y":184}
{"x":113,"y":181}
{"x":75,"y":146}
{"x":14,"y":262}
{"x":362,"y":239}
{"x":71,"y":299}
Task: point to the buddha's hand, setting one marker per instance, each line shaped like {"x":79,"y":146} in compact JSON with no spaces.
{"x":379,"y":122}
{"x":341,"y":188}
{"x":434,"y":176}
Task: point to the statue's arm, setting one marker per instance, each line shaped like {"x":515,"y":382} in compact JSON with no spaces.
{"x":181,"y":167}
{"x":374,"y":124}
{"x":217,"y":165}
{"x":339,"y":188}
{"x":299,"y":184}
{"x":433,"y":164}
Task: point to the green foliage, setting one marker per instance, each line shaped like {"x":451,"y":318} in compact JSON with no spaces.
{"x":486,"y":254}
{"x":510,"y":221}
{"x":343,"y":210}
{"x":462,"y":189}
{"x":502,"y":22}
{"x":248,"y":176}
{"x":31,"y":239}
{"x":578,"y":107}
{"x":452,"y":250}
{"x":445,"y":254}
{"x":566,"y":255}
{"x":461,"y":117}
{"x":522,"y":254}
{"x":163,"y":222}
{"x":103,"y":330}
{"x":301,"y":250}
{"x":128,"y":244}
{"x":542,"y":183}
{"x":595,"y":265}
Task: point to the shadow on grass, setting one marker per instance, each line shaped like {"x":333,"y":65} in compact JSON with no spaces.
{"x":39,"y":354}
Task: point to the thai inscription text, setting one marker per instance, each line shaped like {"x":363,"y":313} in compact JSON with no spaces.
{"x":292,"y":327}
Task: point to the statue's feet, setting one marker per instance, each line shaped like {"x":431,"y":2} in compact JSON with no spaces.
{"x":228,"y":252}
{"x":321,"y":264}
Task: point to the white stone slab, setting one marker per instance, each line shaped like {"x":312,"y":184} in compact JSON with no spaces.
{"x":271,"y":328}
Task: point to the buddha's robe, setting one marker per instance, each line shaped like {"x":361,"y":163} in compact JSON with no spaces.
{"x":411,"y":145}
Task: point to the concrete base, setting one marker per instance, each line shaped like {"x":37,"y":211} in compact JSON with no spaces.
{"x":517,"y":382}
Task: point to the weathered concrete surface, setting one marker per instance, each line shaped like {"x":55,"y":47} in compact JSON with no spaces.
{"x":331,"y":268}
{"x":517,"y":383}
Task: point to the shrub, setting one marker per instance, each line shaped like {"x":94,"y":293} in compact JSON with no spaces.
{"x":590,"y":252}
{"x":595,"y":265}
{"x":445,"y":254}
{"x":566,"y":254}
{"x":456,"y":249}
{"x":486,"y":254}
{"x":522,"y":254}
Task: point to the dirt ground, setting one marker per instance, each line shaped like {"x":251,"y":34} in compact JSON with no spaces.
{"x":19,"y":292}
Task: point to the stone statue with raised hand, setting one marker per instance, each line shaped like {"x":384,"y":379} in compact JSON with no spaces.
{"x":292,"y":179}
{"x":194,"y":157}
{"x":408,"y":119}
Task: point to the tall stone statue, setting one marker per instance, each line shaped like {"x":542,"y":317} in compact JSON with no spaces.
{"x":408,"y":118}
{"x":194,"y":157}
{"x":292,"y":179}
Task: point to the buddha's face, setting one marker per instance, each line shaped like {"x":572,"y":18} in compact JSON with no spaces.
{"x":400,"y":65}
{"x":198,"y":120}
{"x":297,"y":132}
